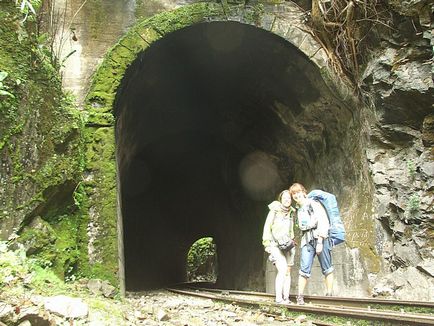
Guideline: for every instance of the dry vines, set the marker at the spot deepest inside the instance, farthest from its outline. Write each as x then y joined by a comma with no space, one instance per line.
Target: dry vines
343,27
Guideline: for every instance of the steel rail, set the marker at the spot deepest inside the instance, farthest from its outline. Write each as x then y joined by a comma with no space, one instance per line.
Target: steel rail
358,313
345,301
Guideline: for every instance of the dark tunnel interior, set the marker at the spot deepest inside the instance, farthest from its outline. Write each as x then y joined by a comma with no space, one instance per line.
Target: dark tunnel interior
202,148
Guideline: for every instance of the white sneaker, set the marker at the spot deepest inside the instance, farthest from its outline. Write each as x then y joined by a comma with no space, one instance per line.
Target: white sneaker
285,301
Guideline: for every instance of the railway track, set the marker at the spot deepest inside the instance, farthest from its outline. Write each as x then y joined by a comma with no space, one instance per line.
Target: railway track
388,312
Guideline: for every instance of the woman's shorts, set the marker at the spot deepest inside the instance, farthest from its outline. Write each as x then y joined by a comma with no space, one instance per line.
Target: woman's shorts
278,256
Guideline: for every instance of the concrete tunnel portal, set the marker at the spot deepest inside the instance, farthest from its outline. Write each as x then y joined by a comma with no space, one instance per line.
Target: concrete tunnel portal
206,136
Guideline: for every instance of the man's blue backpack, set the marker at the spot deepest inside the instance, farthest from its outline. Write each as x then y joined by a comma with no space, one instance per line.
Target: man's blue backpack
337,229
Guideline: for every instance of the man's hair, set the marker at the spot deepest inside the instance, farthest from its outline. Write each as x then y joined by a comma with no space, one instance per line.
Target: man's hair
296,187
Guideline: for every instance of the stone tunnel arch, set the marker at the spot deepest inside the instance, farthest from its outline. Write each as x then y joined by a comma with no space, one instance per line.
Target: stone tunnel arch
216,109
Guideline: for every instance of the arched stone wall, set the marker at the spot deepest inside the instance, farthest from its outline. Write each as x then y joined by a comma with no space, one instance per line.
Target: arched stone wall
286,21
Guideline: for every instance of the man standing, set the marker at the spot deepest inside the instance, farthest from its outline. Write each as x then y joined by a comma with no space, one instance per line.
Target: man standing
314,224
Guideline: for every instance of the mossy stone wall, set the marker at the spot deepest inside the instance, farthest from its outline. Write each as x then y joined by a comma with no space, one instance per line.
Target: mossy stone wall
41,148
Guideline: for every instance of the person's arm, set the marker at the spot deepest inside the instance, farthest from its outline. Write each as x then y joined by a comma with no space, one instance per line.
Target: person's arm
291,227
267,236
322,230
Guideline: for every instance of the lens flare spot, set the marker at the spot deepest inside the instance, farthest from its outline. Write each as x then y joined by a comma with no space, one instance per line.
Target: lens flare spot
259,175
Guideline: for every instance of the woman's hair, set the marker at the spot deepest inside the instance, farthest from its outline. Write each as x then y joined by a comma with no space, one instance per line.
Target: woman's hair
296,187
279,198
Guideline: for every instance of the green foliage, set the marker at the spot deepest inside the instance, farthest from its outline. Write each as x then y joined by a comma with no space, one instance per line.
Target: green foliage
414,203
79,195
17,270
109,310
202,252
317,318
45,281
3,87
411,167
28,8
12,266
53,182
21,276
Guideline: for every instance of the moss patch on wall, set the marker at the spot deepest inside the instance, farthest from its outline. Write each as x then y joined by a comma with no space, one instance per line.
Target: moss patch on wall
99,193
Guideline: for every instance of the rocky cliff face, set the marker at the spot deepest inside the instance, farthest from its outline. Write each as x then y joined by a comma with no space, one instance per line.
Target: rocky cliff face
40,149
398,82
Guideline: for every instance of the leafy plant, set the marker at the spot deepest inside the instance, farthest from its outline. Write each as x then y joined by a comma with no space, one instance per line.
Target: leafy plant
16,269
26,8
58,31
3,87
79,195
13,267
411,168
414,203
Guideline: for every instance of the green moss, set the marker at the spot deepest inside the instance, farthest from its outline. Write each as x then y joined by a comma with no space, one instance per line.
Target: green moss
318,318
404,309
46,282
272,1
54,244
254,14
109,312
15,268
21,277
66,247
11,119
37,238
98,194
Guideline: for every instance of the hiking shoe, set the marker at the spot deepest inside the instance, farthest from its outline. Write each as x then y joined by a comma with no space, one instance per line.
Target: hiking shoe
300,300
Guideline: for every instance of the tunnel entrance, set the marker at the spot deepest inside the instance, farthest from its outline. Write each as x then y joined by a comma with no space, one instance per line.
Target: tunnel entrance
210,127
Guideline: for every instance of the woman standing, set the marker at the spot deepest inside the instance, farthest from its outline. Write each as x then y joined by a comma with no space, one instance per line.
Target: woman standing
278,240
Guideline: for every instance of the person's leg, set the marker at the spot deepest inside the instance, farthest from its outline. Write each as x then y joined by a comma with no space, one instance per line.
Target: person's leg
306,260
302,281
326,263
329,283
281,265
289,256
287,283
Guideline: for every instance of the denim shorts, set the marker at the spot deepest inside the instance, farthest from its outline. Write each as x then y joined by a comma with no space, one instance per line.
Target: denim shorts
307,255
